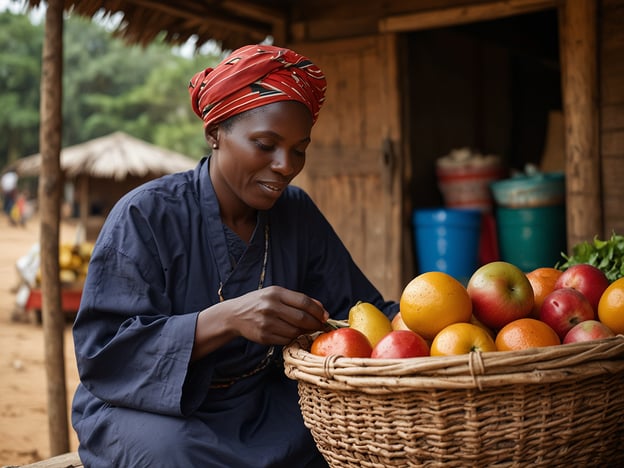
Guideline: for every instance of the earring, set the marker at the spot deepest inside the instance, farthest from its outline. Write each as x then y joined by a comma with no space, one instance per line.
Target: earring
215,146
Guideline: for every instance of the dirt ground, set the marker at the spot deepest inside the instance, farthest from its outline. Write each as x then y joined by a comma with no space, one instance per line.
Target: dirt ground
23,397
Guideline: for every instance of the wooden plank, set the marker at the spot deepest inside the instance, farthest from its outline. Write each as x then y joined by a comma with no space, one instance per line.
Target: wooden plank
346,161
65,460
614,222
578,35
325,28
395,278
453,16
612,84
612,141
346,171
612,116
612,113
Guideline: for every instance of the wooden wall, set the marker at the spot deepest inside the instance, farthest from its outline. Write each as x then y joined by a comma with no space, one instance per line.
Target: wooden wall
346,171
327,20
611,73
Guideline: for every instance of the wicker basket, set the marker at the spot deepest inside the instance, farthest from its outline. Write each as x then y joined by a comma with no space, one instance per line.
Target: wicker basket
555,406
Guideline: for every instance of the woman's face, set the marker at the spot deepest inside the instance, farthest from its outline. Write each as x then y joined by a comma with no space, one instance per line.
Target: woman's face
259,155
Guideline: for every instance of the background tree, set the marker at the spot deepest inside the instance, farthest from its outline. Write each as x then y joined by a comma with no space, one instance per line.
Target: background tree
107,86
20,74
110,86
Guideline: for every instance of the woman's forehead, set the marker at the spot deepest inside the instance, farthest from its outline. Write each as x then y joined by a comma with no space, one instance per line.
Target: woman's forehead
278,115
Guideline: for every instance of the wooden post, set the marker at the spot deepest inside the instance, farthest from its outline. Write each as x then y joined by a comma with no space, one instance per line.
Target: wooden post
50,188
84,203
578,36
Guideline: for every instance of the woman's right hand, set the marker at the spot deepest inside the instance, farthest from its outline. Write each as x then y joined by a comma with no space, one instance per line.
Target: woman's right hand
271,316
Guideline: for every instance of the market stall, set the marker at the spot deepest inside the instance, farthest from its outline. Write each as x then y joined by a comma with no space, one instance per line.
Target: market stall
73,264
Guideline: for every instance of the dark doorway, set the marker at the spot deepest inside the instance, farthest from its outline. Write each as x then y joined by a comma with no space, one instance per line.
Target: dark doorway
488,86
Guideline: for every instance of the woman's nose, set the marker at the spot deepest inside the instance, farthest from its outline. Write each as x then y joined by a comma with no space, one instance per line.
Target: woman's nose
283,163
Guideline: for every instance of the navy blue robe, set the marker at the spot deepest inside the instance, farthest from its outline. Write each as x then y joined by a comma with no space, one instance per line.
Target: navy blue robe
158,261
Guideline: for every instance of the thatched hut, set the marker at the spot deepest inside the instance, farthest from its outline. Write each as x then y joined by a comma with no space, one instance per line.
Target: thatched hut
98,172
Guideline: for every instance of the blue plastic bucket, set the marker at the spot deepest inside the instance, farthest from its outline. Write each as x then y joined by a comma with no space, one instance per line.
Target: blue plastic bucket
531,238
447,240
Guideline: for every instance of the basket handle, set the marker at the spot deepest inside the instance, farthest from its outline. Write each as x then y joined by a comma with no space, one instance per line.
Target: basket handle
328,366
476,367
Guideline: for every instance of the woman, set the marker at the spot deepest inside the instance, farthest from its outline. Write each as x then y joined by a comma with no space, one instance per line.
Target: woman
198,279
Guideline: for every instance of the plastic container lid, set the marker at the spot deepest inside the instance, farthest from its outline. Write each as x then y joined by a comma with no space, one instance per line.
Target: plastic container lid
530,190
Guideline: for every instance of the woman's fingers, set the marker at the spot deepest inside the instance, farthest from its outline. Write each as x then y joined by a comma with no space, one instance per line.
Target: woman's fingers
277,315
299,309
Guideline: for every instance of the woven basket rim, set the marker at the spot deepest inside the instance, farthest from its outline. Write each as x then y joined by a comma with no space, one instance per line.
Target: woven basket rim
474,370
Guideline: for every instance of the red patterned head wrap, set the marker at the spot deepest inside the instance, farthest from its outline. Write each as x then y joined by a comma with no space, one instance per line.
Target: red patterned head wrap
253,76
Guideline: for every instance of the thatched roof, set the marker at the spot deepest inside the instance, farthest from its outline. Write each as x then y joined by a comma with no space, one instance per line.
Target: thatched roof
115,156
232,23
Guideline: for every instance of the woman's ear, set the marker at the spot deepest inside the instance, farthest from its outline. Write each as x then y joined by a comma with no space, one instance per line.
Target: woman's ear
212,136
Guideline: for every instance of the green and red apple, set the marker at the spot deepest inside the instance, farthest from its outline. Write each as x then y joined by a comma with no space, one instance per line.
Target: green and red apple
500,293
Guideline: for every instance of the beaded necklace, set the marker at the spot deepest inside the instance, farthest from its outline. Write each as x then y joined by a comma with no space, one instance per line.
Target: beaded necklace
264,264
221,383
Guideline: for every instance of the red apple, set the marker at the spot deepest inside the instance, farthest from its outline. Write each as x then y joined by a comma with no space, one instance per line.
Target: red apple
565,307
588,279
345,341
500,293
586,331
401,344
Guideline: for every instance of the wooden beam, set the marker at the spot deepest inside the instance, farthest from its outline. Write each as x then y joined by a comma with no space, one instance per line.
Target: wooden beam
463,14
578,45
256,12
276,18
66,460
50,188
195,12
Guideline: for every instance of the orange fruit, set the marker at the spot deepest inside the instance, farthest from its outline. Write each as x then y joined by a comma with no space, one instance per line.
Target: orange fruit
346,341
525,333
611,306
432,301
461,338
542,281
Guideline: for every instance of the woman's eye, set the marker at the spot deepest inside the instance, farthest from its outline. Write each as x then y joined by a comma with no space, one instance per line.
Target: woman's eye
264,146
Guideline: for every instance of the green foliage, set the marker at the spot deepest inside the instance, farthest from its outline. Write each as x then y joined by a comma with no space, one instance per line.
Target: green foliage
608,255
20,70
107,86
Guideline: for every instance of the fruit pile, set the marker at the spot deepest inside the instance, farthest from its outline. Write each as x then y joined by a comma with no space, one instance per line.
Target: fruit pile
500,309
73,263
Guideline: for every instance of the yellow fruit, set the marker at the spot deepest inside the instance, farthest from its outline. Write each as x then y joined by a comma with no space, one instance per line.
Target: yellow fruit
369,320
432,301
65,257
67,276
461,338
86,249
75,262
611,306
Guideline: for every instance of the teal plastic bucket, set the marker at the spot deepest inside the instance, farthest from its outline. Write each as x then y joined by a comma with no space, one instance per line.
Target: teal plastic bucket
447,240
531,238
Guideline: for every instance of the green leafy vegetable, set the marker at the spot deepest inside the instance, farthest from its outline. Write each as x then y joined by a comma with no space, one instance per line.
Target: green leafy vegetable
608,255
